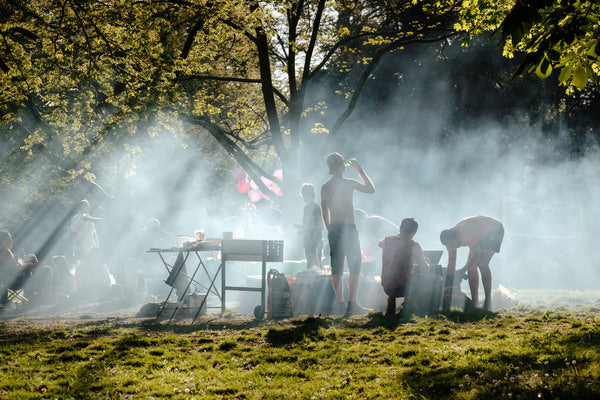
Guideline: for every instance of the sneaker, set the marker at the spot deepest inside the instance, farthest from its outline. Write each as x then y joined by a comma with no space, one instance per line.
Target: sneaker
487,305
355,309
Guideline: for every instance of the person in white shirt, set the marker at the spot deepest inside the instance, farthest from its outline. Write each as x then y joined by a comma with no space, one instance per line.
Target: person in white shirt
85,238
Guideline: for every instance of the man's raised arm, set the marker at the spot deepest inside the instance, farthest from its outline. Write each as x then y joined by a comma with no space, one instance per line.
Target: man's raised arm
367,185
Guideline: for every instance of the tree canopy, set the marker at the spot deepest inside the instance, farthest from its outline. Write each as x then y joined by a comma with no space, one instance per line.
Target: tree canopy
80,78
553,35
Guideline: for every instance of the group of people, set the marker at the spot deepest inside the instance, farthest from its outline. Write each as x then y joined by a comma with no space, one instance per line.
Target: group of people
403,262
404,267
27,279
37,281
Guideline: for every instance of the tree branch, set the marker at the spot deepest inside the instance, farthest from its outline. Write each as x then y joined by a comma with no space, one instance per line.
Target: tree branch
184,78
358,90
187,46
253,169
239,28
313,41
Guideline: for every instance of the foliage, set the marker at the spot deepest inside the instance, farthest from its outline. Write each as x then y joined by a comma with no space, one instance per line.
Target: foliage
553,34
81,78
521,354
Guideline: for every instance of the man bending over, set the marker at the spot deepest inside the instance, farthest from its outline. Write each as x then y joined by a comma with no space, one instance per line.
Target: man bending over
483,235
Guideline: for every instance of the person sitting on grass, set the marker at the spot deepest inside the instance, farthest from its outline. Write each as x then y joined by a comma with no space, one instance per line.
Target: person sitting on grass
63,280
13,273
399,278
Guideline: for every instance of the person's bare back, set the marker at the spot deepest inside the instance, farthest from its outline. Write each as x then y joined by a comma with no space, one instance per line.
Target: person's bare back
336,193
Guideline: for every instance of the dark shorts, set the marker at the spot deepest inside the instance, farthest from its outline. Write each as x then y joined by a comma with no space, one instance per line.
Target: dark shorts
396,292
493,240
344,243
312,249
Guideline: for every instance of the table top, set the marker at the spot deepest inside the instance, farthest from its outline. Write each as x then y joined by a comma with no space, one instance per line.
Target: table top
195,247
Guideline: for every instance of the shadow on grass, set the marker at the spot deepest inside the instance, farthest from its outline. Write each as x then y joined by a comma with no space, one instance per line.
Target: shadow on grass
301,329
380,319
497,378
469,315
279,332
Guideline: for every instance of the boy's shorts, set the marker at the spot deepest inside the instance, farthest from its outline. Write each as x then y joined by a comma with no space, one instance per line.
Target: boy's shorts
493,240
344,243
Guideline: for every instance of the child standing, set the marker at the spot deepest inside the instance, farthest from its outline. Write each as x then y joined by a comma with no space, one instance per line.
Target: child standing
312,226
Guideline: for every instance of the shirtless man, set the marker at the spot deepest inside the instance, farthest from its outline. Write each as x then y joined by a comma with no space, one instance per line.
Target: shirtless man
337,207
483,235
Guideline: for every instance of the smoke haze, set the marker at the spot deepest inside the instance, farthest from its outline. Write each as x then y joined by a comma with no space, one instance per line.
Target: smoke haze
422,166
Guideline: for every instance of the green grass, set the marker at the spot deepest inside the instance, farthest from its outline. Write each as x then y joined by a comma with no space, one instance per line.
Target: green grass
522,353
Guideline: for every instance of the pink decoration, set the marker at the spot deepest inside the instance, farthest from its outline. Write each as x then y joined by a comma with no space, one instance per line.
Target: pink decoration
272,186
239,174
276,189
253,185
278,174
255,195
266,181
243,186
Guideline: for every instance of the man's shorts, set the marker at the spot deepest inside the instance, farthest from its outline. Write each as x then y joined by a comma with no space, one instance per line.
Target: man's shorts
344,243
493,240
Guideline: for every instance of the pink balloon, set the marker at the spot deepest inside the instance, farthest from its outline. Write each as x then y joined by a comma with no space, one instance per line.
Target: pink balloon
278,174
243,186
255,195
268,183
275,189
239,174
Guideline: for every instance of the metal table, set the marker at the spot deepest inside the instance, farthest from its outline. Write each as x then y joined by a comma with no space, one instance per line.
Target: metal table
231,250
175,271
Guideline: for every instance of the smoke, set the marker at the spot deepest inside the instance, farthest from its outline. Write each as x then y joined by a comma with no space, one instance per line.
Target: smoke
426,164
423,162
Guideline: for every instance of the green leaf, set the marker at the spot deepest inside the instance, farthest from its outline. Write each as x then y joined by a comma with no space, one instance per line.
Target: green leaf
592,49
543,69
580,77
566,73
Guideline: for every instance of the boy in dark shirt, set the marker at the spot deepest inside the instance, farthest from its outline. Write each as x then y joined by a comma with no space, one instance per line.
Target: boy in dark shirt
312,226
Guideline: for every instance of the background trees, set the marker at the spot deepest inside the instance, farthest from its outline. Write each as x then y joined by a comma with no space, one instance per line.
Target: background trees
552,34
83,78
159,101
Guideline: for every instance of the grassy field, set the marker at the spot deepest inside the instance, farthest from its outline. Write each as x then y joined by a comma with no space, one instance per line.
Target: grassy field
545,348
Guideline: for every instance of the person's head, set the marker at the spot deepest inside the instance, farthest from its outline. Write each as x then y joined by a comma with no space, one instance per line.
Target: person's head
5,240
83,206
152,225
59,263
449,238
409,226
335,162
308,192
